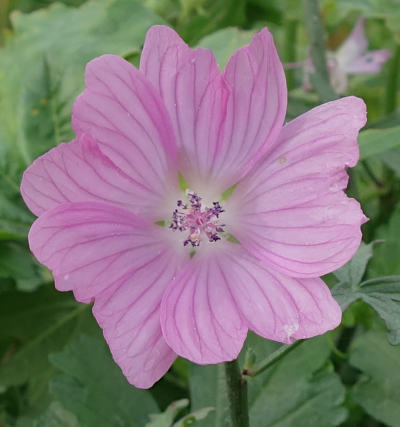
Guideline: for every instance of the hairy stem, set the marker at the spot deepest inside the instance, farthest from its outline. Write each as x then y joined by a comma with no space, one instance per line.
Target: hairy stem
392,82
315,31
289,50
237,394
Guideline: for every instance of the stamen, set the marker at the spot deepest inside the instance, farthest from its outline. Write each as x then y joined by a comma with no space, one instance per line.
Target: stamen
190,217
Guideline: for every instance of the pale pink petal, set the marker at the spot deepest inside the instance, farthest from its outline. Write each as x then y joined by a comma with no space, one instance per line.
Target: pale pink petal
123,112
274,305
78,172
369,63
130,317
90,246
223,122
352,56
354,46
256,107
291,210
124,263
199,317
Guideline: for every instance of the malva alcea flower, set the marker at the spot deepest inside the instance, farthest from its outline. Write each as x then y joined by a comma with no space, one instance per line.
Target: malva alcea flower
350,58
219,266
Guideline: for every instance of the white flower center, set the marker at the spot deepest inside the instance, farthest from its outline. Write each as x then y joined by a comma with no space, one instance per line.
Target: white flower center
199,222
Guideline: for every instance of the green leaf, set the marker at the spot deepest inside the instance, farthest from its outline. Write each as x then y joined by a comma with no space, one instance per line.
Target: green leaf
201,17
166,418
378,390
387,9
386,260
56,416
41,72
300,390
376,141
17,262
208,389
54,44
35,324
15,219
225,42
353,272
382,294
193,417
93,388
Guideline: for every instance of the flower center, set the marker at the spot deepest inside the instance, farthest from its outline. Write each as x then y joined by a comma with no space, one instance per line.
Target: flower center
198,221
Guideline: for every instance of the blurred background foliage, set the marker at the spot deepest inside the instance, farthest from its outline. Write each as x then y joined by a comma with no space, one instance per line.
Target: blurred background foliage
55,369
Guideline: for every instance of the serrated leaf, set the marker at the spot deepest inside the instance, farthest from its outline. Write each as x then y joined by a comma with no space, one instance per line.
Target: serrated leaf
93,388
300,390
382,294
378,390
353,272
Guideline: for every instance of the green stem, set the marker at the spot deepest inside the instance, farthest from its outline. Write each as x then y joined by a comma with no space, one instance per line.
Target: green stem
271,359
289,50
315,31
392,82
237,394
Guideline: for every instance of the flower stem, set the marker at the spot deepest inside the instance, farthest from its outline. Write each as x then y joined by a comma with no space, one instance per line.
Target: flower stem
289,50
315,30
237,394
271,359
392,82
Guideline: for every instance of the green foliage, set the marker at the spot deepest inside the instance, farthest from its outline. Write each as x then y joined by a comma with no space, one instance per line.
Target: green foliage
167,417
387,254
382,293
376,141
32,326
225,42
93,388
378,389
56,416
300,390
17,262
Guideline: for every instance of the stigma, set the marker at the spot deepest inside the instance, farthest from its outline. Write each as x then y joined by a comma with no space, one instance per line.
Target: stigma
200,223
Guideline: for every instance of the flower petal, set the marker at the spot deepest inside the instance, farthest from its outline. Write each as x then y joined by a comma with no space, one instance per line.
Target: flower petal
79,171
124,263
130,317
352,56
353,47
123,112
276,306
199,317
256,107
223,122
369,63
291,210
90,246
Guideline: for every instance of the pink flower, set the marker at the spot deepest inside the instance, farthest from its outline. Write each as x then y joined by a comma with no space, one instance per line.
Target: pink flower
189,288
350,58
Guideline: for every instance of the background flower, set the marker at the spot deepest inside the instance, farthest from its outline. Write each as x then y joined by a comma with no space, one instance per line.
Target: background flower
351,58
